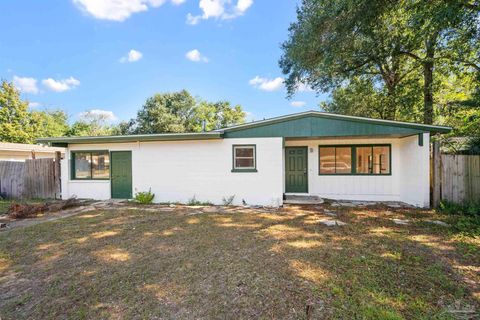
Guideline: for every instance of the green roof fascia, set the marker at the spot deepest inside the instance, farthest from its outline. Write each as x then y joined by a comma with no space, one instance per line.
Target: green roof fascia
415,127
133,138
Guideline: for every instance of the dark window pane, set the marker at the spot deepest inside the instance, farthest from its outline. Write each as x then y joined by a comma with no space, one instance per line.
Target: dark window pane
244,163
244,152
327,160
343,160
100,165
381,160
364,159
82,165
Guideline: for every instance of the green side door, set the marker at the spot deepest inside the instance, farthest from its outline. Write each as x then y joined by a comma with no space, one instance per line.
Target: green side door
121,174
296,173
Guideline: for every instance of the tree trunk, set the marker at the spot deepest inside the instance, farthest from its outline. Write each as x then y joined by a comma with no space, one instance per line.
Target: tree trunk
428,92
391,112
428,66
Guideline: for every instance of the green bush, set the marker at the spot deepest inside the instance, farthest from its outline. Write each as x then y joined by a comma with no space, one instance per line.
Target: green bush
468,209
194,202
465,218
144,197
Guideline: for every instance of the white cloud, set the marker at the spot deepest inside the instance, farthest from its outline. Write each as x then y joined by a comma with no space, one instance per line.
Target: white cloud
118,10
195,56
132,56
243,5
25,84
267,84
98,114
32,104
219,9
60,85
298,104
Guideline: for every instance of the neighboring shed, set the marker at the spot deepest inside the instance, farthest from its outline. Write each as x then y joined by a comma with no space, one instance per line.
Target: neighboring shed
21,151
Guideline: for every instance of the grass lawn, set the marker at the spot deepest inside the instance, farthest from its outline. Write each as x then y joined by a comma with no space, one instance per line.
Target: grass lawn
4,204
239,264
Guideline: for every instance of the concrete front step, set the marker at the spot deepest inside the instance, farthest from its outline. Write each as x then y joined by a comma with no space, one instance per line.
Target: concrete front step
302,199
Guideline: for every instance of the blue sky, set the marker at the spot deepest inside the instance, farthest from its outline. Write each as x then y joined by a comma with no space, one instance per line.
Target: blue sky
80,55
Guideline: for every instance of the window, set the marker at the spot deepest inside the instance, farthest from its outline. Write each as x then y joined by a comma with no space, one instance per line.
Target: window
244,158
361,159
91,165
335,160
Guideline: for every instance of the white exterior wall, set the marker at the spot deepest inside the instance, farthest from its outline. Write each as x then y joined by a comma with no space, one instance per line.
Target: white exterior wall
409,181
177,171
415,169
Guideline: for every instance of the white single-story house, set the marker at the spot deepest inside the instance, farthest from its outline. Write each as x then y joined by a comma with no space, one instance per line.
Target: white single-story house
22,151
309,153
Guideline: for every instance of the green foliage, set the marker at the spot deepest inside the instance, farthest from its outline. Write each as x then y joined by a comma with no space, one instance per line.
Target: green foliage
181,112
469,209
15,120
144,197
194,202
20,125
465,218
228,201
50,123
395,54
91,124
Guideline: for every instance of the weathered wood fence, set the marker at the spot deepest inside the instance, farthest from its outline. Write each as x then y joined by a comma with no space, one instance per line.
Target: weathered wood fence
460,178
35,178
455,178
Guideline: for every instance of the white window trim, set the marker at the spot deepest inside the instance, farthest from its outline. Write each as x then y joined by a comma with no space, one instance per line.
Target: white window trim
253,147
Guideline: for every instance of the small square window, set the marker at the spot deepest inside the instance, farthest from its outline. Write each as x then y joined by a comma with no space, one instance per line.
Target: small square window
244,158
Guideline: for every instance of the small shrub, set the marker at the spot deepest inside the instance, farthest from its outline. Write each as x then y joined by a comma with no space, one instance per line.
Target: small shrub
194,202
465,218
145,197
228,201
468,209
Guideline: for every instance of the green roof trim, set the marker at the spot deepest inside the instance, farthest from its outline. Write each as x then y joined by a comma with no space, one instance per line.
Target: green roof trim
133,138
298,125
321,124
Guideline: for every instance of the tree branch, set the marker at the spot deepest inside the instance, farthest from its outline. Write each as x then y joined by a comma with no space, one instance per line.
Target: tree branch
411,55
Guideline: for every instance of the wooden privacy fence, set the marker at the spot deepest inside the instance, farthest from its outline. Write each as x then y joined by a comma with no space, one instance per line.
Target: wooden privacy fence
35,178
460,178
455,178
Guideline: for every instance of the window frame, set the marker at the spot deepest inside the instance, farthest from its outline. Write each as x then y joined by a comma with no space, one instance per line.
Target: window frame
72,165
354,158
251,169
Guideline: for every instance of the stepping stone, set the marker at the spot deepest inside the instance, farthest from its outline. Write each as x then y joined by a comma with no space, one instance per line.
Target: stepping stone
329,213
438,222
194,213
331,223
400,221
211,210
394,205
344,204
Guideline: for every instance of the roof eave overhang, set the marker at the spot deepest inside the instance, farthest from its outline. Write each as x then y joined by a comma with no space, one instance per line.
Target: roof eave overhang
131,138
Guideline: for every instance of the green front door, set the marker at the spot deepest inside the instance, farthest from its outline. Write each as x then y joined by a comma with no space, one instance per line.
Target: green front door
296,174
121,174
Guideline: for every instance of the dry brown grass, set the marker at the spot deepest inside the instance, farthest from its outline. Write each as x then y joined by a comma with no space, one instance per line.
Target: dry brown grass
238,264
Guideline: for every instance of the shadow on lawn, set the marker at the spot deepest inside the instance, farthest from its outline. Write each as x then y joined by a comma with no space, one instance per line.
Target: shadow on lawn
242,263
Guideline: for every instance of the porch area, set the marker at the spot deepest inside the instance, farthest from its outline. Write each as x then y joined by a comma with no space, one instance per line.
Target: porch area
378,169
